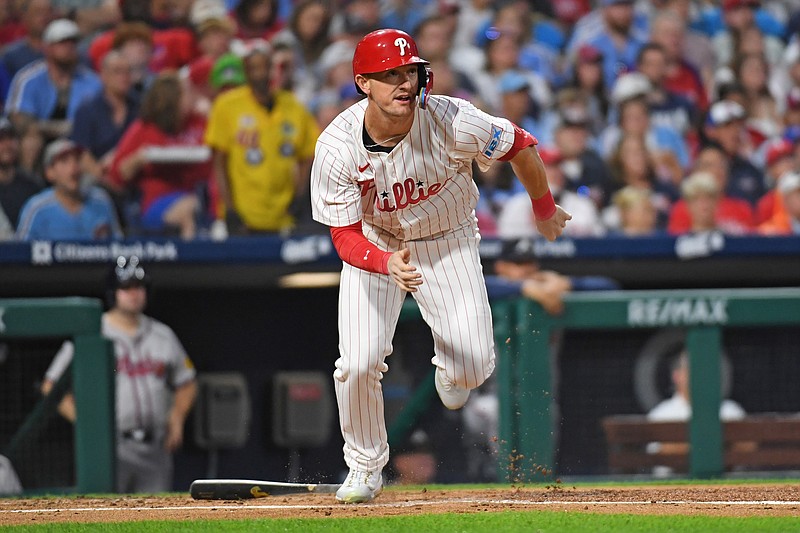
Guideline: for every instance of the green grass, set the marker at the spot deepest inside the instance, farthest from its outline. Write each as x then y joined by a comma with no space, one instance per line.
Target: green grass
527,522
495,522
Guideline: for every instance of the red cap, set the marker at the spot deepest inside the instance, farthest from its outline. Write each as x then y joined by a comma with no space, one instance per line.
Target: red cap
778,151
793,98
734,4
589,54
550,156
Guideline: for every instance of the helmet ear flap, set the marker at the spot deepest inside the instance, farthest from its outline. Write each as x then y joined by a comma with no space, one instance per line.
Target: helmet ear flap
425,84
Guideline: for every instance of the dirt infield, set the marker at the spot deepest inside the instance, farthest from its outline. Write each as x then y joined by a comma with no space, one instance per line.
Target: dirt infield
715,500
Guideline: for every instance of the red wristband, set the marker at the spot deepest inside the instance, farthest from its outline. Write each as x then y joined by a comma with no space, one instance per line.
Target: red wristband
544,207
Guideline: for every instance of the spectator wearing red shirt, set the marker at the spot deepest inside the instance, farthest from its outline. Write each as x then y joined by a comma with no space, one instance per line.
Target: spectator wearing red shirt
163,156
172,47
702,197
731,215
11,28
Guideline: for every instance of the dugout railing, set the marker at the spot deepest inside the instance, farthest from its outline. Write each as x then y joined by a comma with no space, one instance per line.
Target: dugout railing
522,337
92,380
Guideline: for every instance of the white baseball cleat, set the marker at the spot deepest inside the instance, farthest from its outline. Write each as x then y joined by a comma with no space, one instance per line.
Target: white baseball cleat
360,487
452,396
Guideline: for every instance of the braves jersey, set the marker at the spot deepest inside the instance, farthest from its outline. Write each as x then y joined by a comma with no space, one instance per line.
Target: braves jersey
150,365
423,187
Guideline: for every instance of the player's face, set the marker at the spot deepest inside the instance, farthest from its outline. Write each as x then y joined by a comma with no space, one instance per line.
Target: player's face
395,91
131,299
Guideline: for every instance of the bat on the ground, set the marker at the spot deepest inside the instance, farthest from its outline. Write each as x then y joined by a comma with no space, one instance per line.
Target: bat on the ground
242,489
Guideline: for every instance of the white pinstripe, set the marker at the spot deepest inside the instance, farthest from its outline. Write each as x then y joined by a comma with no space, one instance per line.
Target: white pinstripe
420,195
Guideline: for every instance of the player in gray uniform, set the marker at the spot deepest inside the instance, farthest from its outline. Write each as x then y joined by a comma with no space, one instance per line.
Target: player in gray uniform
155,385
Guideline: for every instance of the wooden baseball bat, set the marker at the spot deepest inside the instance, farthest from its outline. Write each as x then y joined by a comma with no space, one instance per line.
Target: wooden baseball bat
242,489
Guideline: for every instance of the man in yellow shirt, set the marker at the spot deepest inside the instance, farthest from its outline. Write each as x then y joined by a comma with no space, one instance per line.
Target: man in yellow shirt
263,142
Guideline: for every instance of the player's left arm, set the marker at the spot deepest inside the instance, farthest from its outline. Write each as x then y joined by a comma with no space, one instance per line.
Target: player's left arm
550,218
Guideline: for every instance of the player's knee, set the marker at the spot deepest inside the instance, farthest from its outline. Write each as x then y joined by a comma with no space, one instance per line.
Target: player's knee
358,370
473,374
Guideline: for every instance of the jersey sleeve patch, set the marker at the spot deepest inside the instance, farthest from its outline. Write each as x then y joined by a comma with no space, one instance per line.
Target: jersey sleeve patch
494,141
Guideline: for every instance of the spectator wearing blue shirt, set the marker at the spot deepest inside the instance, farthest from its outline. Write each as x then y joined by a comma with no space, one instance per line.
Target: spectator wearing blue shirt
64,211
34,15
725,126
46,93
619,43
100,120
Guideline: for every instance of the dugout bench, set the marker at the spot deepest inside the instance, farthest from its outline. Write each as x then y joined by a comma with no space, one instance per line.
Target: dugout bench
755,443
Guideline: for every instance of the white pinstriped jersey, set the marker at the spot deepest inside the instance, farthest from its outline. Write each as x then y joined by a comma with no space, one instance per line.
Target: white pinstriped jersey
424,186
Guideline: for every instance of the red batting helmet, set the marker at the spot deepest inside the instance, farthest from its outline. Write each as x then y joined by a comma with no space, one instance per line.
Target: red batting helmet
387,49
383,50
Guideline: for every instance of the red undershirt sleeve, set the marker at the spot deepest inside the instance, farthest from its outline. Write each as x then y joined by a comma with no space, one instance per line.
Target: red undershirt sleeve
522,139
354,249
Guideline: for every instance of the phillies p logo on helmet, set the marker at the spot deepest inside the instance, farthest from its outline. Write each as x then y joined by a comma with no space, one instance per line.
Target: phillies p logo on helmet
378,52
402,43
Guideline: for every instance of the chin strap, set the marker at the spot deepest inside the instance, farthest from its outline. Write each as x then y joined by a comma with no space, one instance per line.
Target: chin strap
425,85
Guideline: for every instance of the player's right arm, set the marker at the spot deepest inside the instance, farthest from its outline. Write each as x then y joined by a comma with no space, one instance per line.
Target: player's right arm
356,250
336,201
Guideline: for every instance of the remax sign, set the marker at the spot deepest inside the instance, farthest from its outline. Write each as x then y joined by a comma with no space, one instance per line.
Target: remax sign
677,311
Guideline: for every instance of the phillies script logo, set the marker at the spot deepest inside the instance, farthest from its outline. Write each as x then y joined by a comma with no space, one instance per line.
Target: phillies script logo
404,194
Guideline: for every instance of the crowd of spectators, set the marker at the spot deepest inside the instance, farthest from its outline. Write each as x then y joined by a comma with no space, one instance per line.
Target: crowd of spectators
198,118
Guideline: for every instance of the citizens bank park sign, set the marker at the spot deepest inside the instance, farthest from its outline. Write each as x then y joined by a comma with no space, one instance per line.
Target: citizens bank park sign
47,252
656,312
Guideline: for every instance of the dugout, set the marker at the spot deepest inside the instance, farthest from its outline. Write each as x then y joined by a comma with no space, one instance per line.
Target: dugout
202,289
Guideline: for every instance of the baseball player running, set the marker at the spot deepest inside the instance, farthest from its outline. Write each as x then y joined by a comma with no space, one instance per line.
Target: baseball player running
392,177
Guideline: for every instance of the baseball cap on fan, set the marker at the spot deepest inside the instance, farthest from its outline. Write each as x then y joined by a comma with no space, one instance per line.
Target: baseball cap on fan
512,81
228,70
550,155
574,116
58,148
6,128
724,112
605,3
589,54
789,182
793,98
629,86
779,150
61,30
727,5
